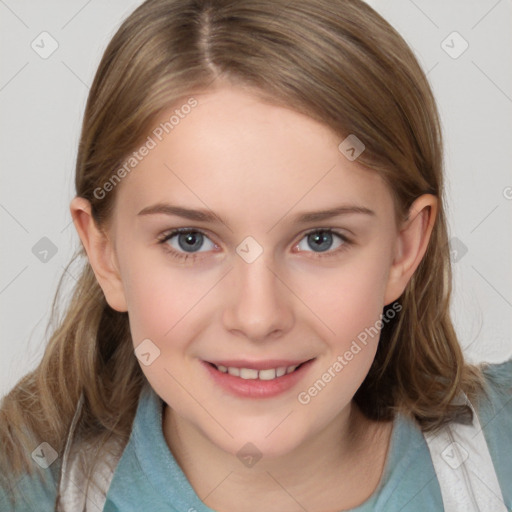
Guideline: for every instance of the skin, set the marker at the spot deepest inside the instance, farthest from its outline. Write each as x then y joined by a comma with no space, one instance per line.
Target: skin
257,165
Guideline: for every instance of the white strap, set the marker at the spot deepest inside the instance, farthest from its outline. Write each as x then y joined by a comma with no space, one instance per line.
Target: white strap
464,468
76,493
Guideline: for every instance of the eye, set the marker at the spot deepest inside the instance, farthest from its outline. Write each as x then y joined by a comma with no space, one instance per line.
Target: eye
323,240
185,241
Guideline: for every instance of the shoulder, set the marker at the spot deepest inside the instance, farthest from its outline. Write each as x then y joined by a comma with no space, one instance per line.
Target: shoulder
410,481
495,406
499,376
495,414
30,492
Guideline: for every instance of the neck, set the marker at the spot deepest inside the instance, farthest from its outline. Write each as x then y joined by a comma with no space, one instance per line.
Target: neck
338,468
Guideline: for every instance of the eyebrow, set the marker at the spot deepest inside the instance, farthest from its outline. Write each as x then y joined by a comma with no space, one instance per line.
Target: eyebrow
202,215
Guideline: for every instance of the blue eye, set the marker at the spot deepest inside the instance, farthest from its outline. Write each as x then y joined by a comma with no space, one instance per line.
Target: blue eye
322,240
187,240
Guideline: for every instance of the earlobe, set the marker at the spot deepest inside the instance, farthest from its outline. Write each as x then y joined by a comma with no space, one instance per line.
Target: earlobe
412,243
100,252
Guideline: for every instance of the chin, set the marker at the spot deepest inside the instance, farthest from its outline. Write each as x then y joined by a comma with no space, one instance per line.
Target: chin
259,444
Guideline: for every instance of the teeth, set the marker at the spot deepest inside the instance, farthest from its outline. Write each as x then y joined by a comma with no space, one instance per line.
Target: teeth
280,371
246,373
267,374
251,374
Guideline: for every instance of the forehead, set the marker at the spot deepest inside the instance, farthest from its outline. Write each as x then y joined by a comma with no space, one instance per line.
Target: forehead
238,153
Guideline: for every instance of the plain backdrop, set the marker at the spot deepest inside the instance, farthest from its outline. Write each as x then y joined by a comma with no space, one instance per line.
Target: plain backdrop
464,46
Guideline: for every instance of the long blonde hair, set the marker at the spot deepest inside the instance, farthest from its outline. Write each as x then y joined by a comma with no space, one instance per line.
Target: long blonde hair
338,62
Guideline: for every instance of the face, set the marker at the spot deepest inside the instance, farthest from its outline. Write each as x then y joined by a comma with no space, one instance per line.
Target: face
268,283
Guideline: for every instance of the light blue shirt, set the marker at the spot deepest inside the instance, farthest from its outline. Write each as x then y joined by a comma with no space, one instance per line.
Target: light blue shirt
148,477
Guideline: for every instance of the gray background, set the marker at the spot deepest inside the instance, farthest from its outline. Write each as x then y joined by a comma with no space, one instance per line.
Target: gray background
42,102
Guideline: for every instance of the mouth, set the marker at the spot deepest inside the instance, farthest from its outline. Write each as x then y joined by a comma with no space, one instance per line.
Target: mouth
257,380
258,374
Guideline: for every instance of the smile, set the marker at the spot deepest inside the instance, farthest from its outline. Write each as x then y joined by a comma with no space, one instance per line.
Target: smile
251,373
265,379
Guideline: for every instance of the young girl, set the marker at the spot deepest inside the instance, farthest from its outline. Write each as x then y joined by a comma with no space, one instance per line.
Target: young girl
262,321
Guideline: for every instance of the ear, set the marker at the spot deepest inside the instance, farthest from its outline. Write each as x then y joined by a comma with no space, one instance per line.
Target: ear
100,252
411,245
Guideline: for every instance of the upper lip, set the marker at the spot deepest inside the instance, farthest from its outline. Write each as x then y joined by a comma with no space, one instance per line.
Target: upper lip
258,365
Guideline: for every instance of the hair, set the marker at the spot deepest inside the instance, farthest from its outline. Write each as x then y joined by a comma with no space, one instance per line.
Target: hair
338,62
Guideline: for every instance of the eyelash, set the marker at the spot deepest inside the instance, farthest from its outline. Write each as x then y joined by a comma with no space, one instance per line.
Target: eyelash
193,256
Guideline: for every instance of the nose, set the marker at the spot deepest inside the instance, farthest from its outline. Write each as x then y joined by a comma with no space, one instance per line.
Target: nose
259,304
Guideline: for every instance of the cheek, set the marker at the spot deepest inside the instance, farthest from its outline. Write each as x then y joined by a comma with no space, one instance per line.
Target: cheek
349,298
352,308
166,304
161,309
362,301
159,300
349,301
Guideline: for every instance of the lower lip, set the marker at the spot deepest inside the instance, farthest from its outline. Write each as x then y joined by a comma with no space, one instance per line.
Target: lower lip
256,388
